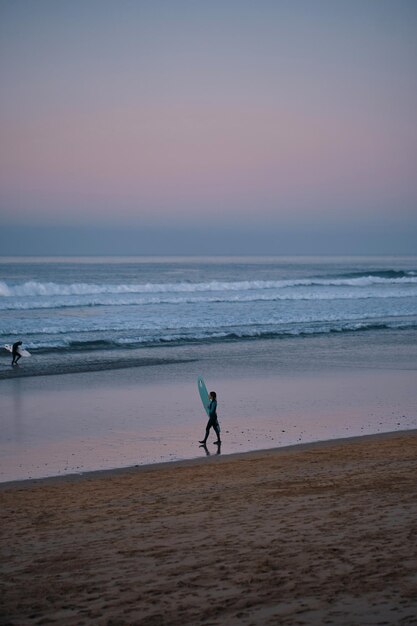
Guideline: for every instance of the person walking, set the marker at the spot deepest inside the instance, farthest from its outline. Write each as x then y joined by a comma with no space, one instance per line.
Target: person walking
15,352
213,421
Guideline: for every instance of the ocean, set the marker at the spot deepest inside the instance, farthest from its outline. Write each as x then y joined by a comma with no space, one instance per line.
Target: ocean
297,349
75,310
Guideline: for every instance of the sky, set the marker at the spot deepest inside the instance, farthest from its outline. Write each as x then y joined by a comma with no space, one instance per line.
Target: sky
208,127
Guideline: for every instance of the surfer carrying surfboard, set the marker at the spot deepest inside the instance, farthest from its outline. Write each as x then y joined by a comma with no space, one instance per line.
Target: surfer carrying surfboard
16,353
213,422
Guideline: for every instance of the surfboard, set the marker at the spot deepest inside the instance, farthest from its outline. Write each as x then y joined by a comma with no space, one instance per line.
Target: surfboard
203,394
20,350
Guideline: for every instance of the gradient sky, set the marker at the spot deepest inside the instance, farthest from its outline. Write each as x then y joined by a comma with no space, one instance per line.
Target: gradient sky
208,126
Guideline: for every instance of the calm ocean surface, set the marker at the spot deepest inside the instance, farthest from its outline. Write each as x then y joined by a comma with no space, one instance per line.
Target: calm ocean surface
78,306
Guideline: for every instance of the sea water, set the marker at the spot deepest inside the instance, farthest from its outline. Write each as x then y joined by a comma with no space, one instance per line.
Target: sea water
64,307
298,350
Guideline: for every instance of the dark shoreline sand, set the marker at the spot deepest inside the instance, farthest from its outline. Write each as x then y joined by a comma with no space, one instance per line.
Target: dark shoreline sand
321,533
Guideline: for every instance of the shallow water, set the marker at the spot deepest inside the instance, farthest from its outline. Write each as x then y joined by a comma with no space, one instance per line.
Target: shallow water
268,397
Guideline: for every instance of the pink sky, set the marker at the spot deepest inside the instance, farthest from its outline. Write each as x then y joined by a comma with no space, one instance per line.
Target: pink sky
266,111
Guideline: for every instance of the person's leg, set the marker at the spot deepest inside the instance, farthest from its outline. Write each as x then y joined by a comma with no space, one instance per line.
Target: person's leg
209,425
217,430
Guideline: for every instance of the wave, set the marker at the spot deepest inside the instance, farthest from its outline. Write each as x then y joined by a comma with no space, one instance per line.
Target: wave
381,274
204,335
34,288
108,302
34,295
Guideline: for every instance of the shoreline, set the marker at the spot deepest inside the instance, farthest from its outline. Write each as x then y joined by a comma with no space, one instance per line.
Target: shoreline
197,461
59,425
384,348
102,365
314,534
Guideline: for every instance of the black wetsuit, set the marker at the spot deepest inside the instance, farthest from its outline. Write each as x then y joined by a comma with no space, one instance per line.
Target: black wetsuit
16,356
213,421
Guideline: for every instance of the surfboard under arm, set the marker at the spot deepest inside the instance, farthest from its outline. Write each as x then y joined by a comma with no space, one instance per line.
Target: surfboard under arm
203,394
20,351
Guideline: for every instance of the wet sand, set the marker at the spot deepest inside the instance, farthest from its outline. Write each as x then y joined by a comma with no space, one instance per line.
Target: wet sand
315,534
55,425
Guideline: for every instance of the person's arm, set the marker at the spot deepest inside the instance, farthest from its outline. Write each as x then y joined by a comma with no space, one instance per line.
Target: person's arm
212,408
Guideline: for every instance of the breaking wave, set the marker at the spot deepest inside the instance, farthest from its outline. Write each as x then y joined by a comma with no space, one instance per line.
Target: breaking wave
33,288
184,336
42,295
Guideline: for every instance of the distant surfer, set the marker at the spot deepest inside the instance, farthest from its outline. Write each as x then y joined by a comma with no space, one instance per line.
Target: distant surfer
15,352
213,422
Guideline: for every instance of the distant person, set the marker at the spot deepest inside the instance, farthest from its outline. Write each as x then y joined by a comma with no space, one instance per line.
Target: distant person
15,354
213,422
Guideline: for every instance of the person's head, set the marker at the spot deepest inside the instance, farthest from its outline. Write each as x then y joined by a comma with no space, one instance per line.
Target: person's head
212,395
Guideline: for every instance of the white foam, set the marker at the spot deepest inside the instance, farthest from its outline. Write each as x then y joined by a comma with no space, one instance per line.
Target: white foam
34,288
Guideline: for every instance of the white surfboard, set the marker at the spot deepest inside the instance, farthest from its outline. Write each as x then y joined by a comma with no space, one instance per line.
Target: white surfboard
20,350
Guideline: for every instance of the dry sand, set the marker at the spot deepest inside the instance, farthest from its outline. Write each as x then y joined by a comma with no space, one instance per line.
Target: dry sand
316,534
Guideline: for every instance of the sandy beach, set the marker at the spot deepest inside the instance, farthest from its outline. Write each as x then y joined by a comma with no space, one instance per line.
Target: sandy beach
321,533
